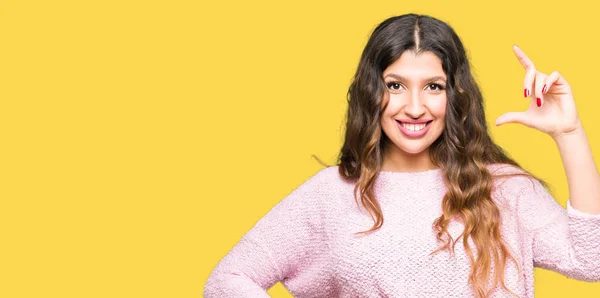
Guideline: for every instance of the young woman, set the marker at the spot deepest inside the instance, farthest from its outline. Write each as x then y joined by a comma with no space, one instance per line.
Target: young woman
462,219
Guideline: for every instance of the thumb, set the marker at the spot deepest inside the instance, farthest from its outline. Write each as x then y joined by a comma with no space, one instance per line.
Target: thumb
513,117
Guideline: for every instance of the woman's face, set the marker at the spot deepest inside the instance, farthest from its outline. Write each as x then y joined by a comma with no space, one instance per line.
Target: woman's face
414,116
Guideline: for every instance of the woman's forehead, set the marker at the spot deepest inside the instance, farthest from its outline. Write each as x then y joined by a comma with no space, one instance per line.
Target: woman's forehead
411,66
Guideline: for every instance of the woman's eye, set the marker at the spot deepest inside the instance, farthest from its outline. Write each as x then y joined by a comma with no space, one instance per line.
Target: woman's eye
437,87
394,86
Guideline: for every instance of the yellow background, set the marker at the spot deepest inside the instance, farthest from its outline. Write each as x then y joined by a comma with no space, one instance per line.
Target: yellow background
141,139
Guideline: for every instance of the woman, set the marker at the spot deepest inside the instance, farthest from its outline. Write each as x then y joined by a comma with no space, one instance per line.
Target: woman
417,154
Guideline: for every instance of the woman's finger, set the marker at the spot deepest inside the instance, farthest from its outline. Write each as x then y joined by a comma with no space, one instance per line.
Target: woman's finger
540,86
554,79
514,117
530,71
525,61
528,82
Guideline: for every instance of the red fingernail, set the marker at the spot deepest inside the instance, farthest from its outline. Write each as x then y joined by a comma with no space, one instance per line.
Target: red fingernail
525,92
544,89
539,102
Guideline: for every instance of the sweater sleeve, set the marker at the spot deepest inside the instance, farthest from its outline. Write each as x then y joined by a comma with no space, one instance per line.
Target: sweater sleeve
564,241
281,245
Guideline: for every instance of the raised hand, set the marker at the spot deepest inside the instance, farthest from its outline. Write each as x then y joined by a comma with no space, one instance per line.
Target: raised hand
551,108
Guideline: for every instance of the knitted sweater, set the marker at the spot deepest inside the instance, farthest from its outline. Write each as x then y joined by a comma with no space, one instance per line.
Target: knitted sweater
307,241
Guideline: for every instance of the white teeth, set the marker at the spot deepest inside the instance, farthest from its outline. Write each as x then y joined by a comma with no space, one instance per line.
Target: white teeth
414,127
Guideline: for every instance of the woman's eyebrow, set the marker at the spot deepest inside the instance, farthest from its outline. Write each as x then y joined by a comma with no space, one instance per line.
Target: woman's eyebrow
401,78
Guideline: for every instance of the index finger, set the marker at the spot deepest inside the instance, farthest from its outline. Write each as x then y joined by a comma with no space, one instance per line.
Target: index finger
525,61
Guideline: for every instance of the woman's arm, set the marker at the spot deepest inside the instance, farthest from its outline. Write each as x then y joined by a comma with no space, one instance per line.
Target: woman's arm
569,244
565,241
246,271
552,110
581,171
288,243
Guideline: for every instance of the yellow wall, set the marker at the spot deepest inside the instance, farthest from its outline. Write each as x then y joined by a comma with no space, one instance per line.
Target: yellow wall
141,139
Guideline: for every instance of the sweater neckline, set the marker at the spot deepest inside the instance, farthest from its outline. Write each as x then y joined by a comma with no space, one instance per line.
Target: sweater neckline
432,172
428,177
388,184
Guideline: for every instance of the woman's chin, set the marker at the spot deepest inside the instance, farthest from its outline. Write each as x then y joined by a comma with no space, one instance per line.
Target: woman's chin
413,150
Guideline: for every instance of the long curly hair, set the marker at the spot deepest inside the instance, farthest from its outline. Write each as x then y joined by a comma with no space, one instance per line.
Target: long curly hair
462,152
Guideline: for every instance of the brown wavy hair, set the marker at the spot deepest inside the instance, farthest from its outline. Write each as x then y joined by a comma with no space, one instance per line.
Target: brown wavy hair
462,152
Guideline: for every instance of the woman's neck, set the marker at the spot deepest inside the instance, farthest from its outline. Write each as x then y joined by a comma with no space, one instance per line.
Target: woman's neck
400,161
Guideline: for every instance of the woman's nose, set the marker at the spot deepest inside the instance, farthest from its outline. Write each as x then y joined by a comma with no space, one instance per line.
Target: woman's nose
415,107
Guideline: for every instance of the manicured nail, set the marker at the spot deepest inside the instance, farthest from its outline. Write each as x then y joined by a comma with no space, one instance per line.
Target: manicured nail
544,89
539,102
526,92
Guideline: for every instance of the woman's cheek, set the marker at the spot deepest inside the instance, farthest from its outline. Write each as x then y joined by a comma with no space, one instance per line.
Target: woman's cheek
438,106
394,103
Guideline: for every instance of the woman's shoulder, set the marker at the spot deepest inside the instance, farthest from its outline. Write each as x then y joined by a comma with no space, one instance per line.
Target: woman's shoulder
511,175
329,174
524,192
503,168
321,182
512,178
527,195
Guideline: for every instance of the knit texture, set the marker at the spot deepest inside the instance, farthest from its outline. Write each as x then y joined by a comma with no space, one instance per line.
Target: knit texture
307,241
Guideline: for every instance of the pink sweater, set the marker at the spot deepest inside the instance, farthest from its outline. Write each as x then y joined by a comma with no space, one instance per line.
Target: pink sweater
307,241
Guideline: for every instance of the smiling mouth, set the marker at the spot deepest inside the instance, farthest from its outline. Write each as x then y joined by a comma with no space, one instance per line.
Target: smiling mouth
414,127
